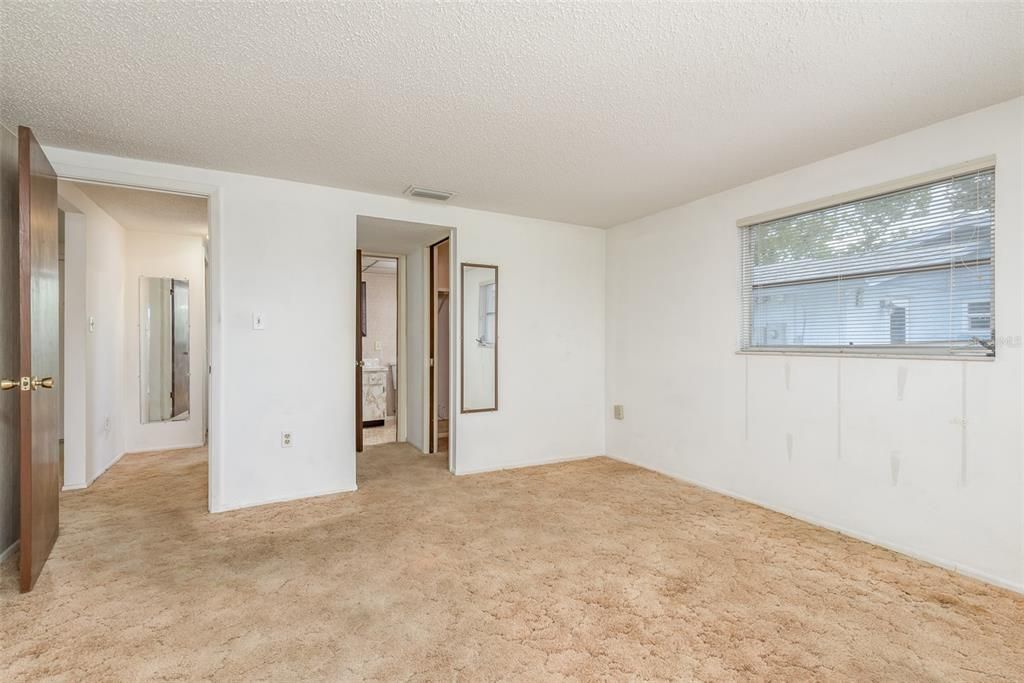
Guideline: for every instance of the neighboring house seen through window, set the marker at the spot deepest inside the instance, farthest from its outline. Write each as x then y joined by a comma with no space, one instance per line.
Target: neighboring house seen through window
979,316
909,271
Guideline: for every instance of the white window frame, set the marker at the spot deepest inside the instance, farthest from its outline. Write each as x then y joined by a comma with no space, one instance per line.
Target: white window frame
880,351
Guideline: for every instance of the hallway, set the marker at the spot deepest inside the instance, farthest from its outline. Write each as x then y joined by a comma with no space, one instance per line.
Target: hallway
586,569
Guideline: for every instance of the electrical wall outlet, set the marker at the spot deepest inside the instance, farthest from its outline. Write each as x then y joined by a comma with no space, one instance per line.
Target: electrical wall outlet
286,440
619,412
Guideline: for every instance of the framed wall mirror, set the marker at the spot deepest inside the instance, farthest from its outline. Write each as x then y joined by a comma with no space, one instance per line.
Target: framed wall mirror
479,338
164,349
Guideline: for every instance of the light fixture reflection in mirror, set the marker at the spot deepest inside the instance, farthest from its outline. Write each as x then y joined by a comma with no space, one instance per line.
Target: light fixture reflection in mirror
163,349
479,338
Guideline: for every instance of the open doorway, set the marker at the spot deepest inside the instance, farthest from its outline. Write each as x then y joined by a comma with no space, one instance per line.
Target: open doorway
378,293
134,332
420,374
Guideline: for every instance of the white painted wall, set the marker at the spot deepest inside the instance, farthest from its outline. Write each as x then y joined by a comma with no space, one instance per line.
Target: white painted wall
551,326
153,254
382,328
287,249
698,411
381,318
104,346
76,425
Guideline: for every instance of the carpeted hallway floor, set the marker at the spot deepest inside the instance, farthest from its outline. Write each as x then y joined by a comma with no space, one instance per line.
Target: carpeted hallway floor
585,570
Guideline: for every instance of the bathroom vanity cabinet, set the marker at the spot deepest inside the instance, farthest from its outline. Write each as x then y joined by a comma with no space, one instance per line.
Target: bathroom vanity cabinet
375,396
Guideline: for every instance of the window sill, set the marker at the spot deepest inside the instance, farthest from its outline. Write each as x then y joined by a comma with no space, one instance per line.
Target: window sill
871,354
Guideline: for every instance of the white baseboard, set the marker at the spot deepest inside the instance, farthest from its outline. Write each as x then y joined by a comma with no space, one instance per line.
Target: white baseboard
519,465
909,552
11,549
104,470
74,487
286,499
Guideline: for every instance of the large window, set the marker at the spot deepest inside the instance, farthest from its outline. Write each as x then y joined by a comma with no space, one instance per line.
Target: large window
908,271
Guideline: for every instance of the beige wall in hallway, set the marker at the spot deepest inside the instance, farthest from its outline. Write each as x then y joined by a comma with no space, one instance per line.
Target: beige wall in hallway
103,256
154,254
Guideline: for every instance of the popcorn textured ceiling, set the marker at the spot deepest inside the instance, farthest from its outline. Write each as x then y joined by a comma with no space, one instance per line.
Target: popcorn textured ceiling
589,113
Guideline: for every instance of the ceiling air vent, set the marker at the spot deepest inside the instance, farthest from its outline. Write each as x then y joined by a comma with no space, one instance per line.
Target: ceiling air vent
425,193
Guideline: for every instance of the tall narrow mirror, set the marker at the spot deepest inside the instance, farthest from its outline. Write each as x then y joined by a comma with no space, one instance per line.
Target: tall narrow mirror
479,338
164,349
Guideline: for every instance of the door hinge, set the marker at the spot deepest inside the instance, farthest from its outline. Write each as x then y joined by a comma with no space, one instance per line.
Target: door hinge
431,362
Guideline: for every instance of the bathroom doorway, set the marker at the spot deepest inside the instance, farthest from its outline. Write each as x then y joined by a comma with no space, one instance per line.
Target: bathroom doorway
421,372
379,324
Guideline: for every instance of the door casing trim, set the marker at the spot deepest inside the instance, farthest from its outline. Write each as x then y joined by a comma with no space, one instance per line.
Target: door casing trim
214,207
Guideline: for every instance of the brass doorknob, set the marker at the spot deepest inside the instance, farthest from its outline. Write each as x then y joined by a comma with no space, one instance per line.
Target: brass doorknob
8,384
42,382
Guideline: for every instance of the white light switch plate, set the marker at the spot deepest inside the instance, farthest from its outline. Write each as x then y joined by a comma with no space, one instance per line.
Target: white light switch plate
258,322
378,345
619,411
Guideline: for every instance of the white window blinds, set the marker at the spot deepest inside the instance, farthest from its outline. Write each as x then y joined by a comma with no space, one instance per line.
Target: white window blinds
909,271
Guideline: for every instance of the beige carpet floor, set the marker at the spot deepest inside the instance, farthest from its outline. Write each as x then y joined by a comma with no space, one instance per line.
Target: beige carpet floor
587,570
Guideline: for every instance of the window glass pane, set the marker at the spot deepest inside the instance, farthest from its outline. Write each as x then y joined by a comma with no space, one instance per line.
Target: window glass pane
911,269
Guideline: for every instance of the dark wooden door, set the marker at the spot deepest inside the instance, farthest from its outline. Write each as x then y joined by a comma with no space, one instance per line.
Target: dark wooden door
360,322
39,344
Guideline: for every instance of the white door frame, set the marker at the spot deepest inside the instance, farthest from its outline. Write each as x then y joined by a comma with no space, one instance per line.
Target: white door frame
212,193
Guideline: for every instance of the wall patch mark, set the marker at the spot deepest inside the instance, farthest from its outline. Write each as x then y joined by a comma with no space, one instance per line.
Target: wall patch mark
839,410
746,398
963,423
901,381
